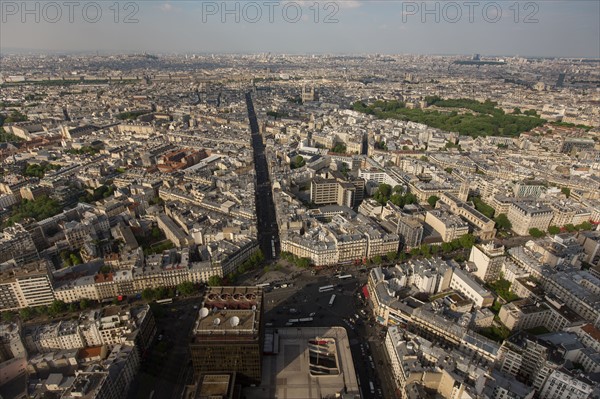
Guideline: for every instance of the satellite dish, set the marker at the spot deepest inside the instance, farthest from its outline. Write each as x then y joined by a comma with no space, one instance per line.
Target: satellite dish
234,321
217,321
204,312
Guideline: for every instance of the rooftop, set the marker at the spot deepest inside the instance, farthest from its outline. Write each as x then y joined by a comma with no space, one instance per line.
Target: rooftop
290,374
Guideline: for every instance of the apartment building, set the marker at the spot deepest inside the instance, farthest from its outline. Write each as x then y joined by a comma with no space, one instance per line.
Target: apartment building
563,383
525,216
55,336
528,359
13,356
488,259
172,231
523,314
449,226
26,286
410,231
346,239
336,190
482,226
467,286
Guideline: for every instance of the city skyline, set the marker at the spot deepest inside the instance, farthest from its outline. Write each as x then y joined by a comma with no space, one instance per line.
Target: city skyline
532,29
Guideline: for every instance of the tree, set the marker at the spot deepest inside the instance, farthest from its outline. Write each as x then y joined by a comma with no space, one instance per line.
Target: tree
339,148
75,259
105,269
566,191
303,263
447,247
148,294
214,281
392,255
297,162
186,288
433,200
161,292
536,233
8,316
483,207
73,307
84,304
585,226
156,233
449,170
467,241
26,313
553,229
377,259
425,250
502,222
57,307
570,227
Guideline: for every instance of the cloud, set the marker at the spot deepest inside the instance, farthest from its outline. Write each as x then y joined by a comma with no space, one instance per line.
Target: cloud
349,3
340,3
166,7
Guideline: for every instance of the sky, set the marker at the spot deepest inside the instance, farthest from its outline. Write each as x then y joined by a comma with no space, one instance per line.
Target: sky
543,28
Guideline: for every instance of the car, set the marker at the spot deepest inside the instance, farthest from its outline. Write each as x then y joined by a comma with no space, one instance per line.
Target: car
312,314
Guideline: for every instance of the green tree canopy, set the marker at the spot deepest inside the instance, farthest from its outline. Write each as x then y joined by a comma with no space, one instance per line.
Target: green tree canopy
502,222
186,288
148,294
57,307
392,255
553,229
536,233
215,281
433,200
483,207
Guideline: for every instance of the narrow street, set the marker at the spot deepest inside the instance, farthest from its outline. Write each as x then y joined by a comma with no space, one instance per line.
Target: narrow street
268,233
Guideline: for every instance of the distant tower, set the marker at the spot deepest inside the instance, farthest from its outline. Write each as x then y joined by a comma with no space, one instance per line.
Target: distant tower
463,192
308,95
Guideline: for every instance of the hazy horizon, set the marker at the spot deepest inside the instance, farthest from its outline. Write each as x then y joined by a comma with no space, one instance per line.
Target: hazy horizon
564,29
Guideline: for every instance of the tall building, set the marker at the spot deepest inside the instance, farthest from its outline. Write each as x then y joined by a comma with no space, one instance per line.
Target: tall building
228,335
488,260
335,189
309,94
410,231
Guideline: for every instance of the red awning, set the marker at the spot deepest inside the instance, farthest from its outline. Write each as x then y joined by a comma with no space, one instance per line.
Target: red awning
365,291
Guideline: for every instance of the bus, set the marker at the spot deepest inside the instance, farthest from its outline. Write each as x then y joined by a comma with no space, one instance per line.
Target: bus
326,288
305,320
293,321
332,300
168,300
345,276
263,285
